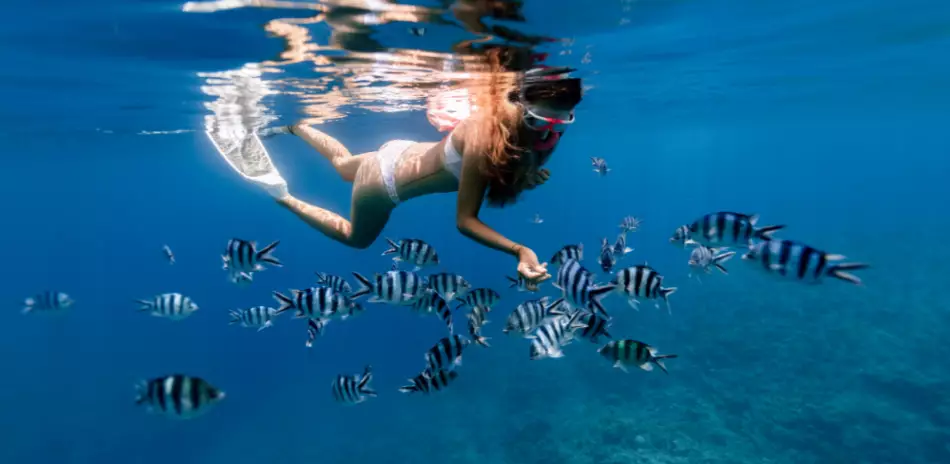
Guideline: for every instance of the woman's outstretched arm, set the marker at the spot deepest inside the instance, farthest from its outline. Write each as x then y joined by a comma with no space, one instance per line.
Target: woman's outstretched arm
472,188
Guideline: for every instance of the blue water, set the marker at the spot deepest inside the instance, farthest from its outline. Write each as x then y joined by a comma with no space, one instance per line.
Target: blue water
829,117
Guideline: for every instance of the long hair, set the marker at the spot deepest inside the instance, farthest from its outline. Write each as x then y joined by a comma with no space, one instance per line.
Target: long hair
494,132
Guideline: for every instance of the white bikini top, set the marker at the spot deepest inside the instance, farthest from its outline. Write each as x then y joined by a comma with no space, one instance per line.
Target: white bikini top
453,159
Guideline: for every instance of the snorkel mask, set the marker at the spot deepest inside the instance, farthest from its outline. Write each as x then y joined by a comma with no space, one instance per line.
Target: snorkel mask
548,85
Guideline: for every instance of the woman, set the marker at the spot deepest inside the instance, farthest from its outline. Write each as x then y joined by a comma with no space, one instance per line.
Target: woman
492,156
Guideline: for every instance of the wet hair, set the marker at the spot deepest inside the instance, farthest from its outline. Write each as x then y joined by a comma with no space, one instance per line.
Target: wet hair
498,122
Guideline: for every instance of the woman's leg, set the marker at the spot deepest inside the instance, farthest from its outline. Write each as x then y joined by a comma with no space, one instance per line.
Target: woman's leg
368,214
345,163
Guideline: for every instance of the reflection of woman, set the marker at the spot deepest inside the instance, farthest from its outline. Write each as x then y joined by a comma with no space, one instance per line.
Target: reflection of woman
493,155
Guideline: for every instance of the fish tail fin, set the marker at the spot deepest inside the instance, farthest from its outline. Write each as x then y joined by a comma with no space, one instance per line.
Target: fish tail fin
658,360
513,282
141,392
366,286
665,293
285,301
264,255
839,271
765,233
393,248
364,387
28,305
721,258
145,305
597,295
235,317
411,388
554,308
483,341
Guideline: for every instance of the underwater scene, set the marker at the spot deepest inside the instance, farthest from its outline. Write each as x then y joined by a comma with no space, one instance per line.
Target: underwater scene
475,231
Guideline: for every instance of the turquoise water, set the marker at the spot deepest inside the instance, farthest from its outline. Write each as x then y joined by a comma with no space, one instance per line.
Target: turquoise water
829,118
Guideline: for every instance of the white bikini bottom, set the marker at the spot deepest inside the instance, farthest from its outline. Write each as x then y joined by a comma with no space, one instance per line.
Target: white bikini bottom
389,155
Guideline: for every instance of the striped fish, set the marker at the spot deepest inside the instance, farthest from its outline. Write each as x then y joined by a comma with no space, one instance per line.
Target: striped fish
607,258
475,330
177,396
704,259
625,353
432,303
600,165
723,229
427,383
484,298
594,327
522,284
579,289
335,282
446,354
315,328
642,281
261,317
353,389
318,303
797,261
567,253
620,245
174,306
630,224
168,254
448,285
394,287
241,259
529,315
477,314
47,301
413,251
549,337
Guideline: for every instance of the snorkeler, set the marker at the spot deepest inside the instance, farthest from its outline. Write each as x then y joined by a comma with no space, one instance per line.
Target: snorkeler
493,155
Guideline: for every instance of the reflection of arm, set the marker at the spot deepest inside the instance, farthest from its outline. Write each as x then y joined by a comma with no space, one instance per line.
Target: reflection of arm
472,188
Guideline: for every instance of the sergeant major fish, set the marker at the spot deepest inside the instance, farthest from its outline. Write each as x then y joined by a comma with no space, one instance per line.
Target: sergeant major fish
642,281
47,301
446,353
174,306
432,303
315,328
243,257
567,253
394,287
522,284
318,303
703,259
335,282
579,289
484,298
625,353
429,382
630,224
723,229
476,319
261,317
607,258
414,251
168,254
353,389
549,337
801,262
528,315
448,285
600,165
594,327
177,396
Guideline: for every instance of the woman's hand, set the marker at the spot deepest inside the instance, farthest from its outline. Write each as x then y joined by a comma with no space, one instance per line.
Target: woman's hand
537,178
529,267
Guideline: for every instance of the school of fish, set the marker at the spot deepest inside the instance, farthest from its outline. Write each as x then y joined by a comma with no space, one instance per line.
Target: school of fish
547,324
